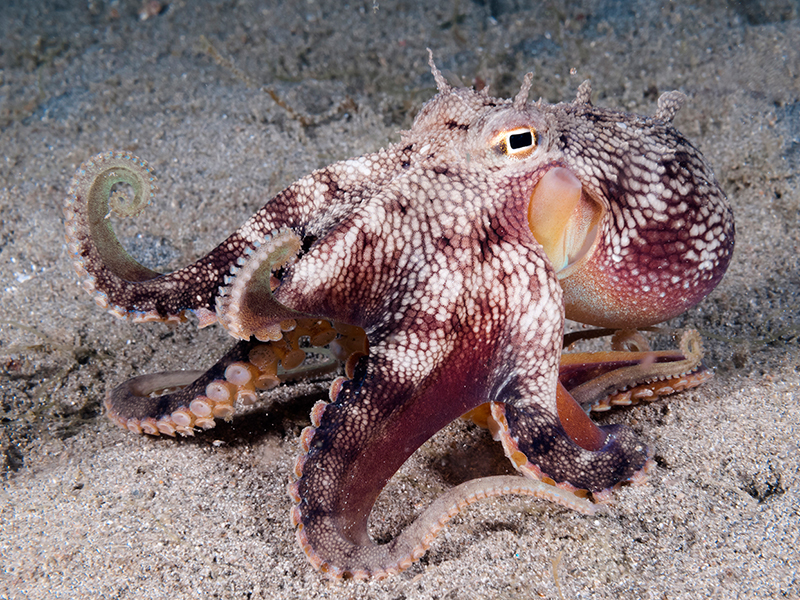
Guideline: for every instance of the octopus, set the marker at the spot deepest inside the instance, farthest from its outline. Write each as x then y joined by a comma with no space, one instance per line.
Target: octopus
437,274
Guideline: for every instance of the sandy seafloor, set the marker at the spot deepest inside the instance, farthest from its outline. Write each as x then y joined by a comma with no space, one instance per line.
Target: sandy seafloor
90,511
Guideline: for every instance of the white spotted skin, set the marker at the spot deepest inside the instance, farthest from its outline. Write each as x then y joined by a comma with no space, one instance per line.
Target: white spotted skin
426,245
440,268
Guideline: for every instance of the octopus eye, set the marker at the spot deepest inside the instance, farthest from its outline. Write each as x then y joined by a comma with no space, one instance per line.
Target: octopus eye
516,143
520,141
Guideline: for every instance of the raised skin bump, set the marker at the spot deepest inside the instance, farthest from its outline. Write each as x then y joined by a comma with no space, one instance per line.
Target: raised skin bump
424,258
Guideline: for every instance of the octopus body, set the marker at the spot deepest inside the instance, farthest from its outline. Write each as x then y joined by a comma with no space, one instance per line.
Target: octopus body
439,271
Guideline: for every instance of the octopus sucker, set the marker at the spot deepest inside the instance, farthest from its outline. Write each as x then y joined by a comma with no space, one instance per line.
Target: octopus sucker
436,274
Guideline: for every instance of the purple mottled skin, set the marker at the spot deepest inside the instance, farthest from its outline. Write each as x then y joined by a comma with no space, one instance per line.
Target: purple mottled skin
457,252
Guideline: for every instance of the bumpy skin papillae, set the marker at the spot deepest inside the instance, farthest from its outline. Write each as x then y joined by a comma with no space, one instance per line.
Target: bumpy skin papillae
429,247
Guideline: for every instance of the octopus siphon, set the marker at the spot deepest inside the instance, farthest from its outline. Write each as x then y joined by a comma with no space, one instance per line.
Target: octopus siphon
437,274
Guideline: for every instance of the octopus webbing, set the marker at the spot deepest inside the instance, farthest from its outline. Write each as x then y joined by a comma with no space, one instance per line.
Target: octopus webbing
439,271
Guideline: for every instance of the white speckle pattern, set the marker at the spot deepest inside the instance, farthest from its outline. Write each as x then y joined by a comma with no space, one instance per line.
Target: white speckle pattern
427,246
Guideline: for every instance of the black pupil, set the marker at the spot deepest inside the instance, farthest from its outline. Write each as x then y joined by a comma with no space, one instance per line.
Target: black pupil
520,140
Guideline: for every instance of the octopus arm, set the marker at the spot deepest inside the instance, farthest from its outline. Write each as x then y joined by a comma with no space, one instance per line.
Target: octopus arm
118,282
183,401
178,401
127,288
632,372
360,439
566,447
562,443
